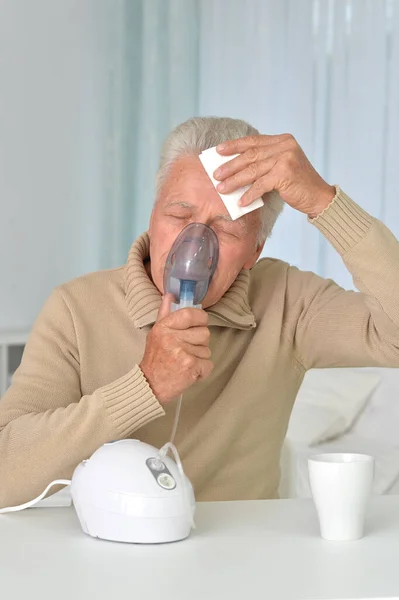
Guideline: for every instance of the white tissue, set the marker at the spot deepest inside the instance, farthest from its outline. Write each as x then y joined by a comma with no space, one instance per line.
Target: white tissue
211,160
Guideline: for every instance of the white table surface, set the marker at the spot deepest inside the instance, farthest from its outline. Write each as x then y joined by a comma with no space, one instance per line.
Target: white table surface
240,550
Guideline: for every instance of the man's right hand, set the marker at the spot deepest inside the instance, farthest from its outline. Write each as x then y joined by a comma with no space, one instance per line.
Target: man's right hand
177,352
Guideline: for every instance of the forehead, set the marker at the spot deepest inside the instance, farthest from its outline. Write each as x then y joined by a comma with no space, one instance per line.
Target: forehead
187,181
188,184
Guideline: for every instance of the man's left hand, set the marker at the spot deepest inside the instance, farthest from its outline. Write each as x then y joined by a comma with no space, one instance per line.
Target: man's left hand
273,162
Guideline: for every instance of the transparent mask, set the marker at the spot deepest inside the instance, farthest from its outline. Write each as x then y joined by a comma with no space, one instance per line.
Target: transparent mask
191,264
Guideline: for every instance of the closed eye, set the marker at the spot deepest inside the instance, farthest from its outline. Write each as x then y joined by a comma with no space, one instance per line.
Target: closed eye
226,232
179,216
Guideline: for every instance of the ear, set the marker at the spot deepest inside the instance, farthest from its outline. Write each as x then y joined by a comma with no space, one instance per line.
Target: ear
254,256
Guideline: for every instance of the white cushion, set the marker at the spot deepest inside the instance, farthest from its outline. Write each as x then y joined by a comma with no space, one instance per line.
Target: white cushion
328,403
380,418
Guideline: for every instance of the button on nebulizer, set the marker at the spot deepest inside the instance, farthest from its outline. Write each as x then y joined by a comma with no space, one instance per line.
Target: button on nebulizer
166,481
190,265
155,464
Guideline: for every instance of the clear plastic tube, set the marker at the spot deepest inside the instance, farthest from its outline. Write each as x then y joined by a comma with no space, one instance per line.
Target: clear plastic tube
170,446
176,421
161,454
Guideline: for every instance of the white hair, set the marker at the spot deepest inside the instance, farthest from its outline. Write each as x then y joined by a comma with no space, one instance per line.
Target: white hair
200,133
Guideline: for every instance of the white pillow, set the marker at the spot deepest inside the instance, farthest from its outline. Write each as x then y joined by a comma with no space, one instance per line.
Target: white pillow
328,403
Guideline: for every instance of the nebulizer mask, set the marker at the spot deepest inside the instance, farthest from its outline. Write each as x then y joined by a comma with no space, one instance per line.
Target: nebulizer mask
129,491
190,265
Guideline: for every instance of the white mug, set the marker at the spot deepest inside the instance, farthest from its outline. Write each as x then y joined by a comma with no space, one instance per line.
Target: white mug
341,485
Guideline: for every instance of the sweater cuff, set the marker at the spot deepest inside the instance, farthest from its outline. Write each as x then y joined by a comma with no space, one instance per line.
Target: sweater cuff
130,402
343,222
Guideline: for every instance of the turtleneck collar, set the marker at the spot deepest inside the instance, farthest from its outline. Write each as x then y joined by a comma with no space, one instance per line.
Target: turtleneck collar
143,298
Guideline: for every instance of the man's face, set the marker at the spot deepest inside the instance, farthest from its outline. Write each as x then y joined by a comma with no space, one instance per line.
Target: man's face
188,196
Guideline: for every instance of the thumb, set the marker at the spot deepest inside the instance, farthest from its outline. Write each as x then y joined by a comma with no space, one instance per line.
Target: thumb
164,309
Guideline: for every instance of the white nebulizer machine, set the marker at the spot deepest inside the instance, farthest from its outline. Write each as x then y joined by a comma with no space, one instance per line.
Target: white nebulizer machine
129,491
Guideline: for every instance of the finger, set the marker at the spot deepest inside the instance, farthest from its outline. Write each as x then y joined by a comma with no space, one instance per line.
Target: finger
252,155
242,144
261,186
248,175
184,318
203,369
195,335
164,309
202,352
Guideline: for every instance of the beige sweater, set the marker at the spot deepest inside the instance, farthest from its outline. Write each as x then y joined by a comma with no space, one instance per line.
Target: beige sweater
79,384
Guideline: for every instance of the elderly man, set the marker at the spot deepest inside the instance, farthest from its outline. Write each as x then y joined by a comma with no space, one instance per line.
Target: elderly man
106,359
